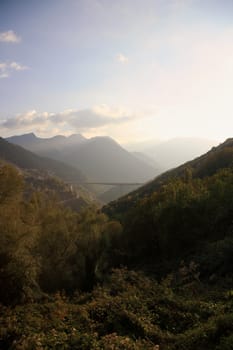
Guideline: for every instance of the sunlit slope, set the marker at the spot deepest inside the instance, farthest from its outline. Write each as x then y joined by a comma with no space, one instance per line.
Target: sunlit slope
206,165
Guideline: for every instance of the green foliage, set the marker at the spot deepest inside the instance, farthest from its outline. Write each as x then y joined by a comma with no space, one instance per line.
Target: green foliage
175,290
10,183
45,247
178,221
130,311
221,158
17,266
55,246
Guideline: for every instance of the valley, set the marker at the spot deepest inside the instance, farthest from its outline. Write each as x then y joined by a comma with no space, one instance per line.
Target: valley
152,268
116,175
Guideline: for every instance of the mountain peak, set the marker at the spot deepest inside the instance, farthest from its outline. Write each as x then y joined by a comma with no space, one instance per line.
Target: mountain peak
104,139
28,136
228,142
23,139
76,137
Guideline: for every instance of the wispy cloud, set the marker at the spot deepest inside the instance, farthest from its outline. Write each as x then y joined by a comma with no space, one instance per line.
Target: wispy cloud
74,120
6,68
9,37
122,58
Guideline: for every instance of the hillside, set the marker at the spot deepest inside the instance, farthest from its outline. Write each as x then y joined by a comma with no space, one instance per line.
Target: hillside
100,158
116,192
105,160
183,215
70,195
205,165
160,279
39,173
149,160
27,160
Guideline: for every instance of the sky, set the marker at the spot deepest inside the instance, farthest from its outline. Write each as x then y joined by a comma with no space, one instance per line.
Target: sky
134,70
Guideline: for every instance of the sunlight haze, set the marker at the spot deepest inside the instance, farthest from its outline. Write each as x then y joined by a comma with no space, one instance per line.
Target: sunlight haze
133,70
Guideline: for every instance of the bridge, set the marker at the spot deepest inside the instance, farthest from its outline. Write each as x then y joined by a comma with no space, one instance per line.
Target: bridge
108,183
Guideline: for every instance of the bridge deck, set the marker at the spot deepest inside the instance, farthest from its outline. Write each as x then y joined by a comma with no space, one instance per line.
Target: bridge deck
109,183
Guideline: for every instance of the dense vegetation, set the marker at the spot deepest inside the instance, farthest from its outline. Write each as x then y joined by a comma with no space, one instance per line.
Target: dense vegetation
163,276
206,165
46,247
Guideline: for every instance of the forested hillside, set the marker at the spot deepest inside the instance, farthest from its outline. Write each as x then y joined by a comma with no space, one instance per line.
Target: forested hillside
161,276
205,165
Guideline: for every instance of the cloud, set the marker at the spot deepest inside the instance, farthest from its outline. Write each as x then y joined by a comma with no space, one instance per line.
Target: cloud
16,66
122,58
73,120
30,118
87,119
9,37
6,68
100,120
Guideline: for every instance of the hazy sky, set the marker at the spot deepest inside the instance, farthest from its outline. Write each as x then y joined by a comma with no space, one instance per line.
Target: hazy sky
130,69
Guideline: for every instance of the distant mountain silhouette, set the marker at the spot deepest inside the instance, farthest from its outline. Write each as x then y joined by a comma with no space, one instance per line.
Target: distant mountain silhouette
147,159
47,146
174,152
25,159
100,158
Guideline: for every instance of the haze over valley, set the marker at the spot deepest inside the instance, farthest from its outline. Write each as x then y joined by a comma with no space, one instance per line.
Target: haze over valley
102,160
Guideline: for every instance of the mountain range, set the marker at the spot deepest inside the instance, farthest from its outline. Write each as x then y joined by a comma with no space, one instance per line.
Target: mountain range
26,159
41,173
101,159
174,152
